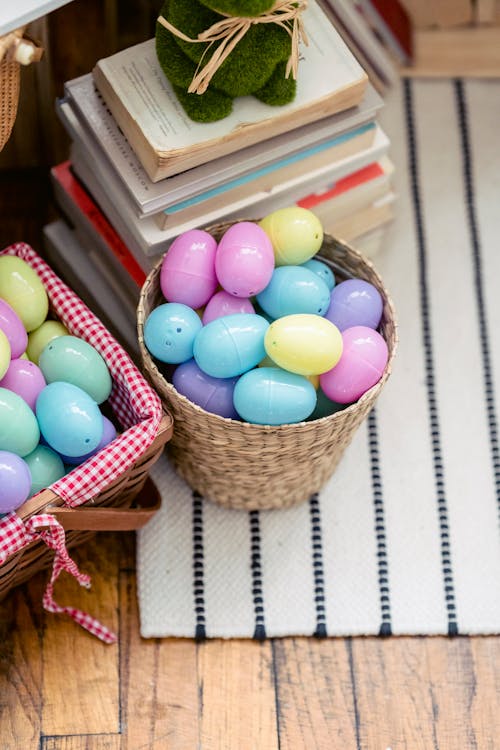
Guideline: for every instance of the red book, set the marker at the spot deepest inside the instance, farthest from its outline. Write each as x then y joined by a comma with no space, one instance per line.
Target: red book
74,188
342,186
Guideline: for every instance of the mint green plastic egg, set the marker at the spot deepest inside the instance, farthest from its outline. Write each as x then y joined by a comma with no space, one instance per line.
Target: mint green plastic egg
75,361
46,467
19,431
23,290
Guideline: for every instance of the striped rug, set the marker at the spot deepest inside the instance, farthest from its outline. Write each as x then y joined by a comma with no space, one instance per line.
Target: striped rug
405,538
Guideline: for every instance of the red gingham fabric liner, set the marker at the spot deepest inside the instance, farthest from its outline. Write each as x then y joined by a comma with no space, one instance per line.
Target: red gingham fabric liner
139,411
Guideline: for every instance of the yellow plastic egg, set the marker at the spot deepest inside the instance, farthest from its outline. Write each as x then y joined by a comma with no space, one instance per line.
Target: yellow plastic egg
4,354
296,234
304,344
38,339
22,288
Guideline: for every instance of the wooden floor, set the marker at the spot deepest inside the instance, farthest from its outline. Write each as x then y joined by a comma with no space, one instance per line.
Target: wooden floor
62,689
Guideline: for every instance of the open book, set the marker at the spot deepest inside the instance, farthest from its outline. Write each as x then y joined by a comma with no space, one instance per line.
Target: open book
166,141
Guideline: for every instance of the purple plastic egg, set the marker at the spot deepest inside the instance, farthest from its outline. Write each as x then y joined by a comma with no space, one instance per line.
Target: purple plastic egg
212,394
223,303
188,269
11,325
361,365
24,378
355,302
15,481
244,261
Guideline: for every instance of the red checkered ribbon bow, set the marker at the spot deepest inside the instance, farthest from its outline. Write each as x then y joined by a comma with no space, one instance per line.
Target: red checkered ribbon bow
15,535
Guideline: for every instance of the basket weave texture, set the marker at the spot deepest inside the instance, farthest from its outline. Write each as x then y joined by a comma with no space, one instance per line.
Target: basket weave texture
9,97
118,473
242,465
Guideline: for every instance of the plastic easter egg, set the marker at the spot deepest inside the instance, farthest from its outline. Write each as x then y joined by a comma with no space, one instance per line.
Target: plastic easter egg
244,261
169,332
5,353
39,338
46,467
304,344
24,378
70,421
322,270
23,290
293,290
223,303
361,365
231,345
188,269
296,234
269,395
108,435
15,481
11,324
355,302
212,394
19,431
74,360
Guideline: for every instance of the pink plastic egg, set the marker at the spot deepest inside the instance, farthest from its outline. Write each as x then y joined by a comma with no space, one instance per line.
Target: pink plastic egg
244,261
24,378
361,365
223,303
188,269
11,325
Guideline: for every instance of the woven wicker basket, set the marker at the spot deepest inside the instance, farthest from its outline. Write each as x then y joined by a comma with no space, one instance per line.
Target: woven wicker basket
242,465
9,97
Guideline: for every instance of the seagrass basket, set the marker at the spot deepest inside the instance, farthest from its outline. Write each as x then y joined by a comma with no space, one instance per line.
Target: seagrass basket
242,465
88,499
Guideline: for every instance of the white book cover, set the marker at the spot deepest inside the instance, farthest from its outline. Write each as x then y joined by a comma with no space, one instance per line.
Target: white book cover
94,121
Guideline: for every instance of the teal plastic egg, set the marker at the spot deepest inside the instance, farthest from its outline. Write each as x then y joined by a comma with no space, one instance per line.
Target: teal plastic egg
270,395
45,466
322,270
5,353
293,290
23,290
19,432
231,345
304,344
69,419
75,361
296,234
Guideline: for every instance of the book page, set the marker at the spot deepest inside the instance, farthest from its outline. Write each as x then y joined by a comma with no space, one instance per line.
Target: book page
326,66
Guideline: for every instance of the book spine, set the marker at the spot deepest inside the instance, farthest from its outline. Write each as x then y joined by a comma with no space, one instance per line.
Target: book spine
65,177
342,186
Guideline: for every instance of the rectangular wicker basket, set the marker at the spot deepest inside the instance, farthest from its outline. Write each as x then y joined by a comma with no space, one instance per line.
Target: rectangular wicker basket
98,494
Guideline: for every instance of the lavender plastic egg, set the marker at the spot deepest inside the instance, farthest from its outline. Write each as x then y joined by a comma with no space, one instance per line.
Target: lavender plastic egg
212,394
355,302
46,467
223,303
70,421
229,346
244,261
188,269
24,378
19,431
15,481
170,331
11,324
108,435
293,290
361,365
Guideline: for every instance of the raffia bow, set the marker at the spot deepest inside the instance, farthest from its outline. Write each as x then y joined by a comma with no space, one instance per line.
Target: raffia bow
231,29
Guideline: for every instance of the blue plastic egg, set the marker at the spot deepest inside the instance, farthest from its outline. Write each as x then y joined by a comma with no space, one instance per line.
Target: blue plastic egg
108,435
270,395
293,290
231,345
70,421
169,332
19,432
73,360
322,270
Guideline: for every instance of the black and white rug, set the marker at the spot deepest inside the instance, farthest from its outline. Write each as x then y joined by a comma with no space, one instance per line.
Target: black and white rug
405,539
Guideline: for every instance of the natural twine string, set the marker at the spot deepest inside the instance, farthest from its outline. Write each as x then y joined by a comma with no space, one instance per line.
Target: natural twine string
231,29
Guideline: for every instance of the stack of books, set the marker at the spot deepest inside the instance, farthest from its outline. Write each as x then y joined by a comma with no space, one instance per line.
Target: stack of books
140,172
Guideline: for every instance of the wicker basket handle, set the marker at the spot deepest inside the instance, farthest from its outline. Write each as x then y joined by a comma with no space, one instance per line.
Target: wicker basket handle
88,518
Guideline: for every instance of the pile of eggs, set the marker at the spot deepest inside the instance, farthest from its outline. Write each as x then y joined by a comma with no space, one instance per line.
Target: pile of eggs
258,329
51,387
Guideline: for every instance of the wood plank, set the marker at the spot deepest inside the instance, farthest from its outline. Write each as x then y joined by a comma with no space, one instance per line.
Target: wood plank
237,695
80,673
21,621
469,52
159,689
316,706
485,691
82,742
